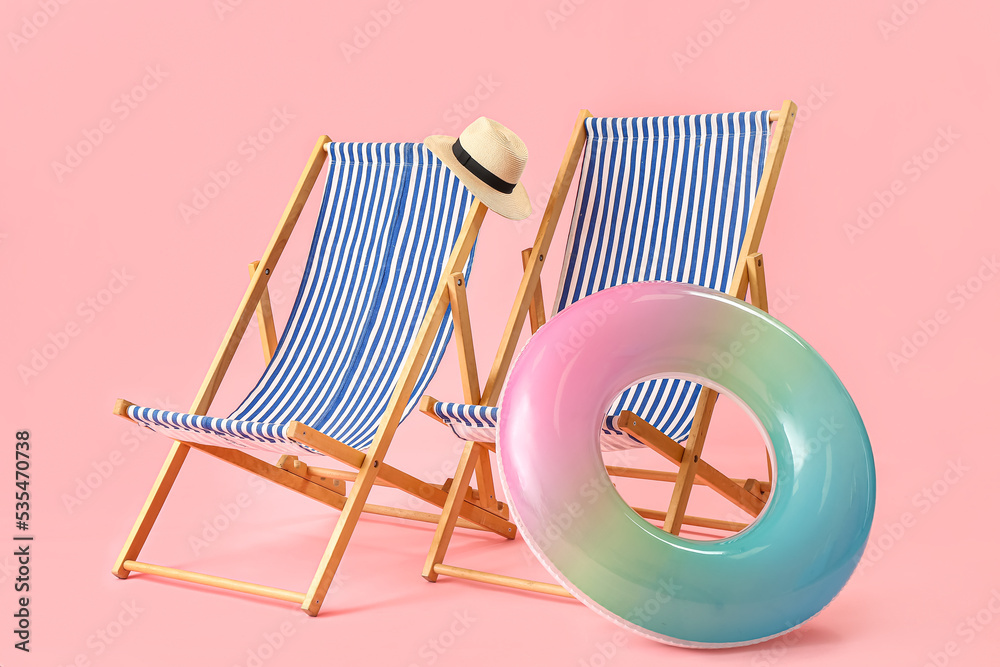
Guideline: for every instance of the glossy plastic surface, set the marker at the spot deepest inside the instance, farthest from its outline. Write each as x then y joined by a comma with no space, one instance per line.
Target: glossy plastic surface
757,584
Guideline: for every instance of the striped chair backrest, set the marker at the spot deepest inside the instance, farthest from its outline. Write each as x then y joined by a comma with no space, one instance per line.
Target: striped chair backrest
389,218
666,198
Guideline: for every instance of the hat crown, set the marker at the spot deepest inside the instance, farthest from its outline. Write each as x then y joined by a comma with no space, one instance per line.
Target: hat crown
496,148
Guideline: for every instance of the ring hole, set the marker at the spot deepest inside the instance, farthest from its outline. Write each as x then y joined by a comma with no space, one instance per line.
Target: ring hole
734,445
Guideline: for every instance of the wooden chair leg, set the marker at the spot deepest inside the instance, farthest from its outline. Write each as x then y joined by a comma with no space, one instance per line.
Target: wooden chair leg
341,537
463,337
449,513
536,310
755,278
265,320
485,483
692,453
470,380
356,503
151,509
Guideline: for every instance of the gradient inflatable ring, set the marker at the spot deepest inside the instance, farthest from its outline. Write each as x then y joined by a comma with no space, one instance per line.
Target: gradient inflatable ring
754,585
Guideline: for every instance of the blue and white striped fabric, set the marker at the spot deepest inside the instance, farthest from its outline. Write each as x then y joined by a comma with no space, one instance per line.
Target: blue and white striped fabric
390,216
479,423
665,198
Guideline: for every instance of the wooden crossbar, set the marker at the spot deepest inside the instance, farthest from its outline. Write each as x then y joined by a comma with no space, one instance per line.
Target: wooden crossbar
502,580
698,521
265,320
212,580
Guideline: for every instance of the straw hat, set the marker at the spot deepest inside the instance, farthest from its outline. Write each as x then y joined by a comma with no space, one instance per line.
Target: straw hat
489,159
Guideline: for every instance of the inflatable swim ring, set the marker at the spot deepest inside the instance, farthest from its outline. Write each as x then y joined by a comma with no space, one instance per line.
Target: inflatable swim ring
757,584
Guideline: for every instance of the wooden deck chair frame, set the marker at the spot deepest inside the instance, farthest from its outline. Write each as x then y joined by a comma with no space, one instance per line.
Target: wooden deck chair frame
322,484
748,494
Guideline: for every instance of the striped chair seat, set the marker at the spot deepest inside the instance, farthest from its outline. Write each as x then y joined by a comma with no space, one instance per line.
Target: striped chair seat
389,218
665,198
479,423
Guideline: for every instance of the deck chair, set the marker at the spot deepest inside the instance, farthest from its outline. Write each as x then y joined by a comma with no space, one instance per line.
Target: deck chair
680,198
395,238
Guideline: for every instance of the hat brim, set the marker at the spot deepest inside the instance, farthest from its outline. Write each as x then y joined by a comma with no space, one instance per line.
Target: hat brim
514,206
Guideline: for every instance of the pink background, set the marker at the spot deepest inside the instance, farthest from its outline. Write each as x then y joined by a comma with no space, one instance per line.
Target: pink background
103,274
